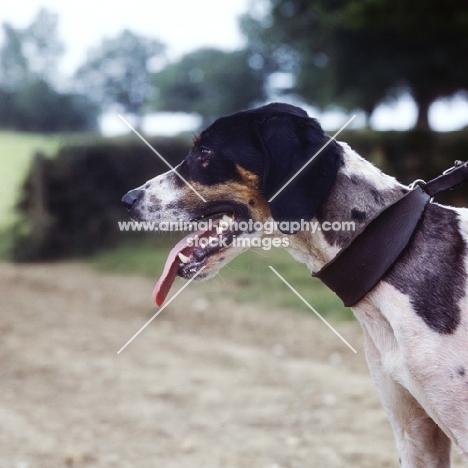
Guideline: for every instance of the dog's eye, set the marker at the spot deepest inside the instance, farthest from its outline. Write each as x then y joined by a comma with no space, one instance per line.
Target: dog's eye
205,151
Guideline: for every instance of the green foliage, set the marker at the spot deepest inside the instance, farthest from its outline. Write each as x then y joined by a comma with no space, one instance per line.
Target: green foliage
210,82
30,54
42,45
36,107
28,65
17,150
13,63
357,54
71,204
117,71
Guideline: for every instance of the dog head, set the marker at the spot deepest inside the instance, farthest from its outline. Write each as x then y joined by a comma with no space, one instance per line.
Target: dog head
234,172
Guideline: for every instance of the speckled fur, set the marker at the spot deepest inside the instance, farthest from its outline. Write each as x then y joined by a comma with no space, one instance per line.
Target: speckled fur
415,321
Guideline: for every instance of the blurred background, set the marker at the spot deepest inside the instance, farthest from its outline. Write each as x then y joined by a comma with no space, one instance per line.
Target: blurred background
396,66
67,69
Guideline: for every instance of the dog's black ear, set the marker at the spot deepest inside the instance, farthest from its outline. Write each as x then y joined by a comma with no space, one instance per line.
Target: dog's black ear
289,141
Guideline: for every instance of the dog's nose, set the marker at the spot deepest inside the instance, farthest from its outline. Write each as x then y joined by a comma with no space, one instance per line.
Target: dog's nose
131,197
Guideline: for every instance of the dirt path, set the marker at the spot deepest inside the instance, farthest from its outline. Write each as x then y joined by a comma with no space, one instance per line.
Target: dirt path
208,384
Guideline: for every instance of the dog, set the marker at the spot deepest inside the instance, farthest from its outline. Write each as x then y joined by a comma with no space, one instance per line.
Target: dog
415,319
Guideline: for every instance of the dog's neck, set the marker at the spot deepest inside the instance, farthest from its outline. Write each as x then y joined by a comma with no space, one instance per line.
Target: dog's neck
358,194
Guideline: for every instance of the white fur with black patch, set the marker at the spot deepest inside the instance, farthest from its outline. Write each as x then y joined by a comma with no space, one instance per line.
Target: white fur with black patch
161,199
421,374
419,363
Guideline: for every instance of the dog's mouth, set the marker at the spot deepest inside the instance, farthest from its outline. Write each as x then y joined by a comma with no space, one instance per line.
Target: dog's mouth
201,248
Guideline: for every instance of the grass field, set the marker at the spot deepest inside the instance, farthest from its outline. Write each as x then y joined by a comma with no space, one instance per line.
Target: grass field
247,278
16,152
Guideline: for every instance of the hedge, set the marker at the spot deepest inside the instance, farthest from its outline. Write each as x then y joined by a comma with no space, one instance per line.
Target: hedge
70,203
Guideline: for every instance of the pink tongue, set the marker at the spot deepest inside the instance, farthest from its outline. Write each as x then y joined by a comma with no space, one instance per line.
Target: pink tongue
169,273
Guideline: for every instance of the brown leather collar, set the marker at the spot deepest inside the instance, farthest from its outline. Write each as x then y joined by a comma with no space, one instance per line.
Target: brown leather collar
361,264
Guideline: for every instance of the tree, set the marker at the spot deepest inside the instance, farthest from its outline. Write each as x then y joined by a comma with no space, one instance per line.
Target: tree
42,46
209,82
28,67
32,53
359,53
117,72
37,107
14,68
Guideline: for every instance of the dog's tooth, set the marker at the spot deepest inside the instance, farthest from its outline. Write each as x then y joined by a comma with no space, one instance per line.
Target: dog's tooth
183,258
226,218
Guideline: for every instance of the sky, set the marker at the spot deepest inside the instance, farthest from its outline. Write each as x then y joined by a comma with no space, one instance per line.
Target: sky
185,25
